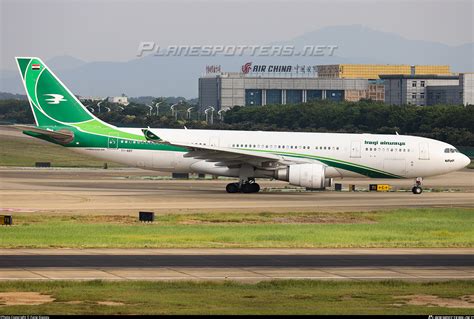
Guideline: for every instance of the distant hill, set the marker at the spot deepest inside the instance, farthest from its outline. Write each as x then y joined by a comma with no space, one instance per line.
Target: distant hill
360,44
178,76
138,99
10,96
65,62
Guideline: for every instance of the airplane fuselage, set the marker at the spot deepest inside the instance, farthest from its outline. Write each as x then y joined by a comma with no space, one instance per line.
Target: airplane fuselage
346,155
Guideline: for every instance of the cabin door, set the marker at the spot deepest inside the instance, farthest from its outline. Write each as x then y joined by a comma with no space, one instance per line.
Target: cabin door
424,151
355,149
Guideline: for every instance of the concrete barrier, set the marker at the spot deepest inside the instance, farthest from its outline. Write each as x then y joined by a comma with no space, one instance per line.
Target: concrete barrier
146,216
180,175
6,220
43,164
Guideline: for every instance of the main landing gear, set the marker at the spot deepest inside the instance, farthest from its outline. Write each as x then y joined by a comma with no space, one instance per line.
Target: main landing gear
248,186
417,187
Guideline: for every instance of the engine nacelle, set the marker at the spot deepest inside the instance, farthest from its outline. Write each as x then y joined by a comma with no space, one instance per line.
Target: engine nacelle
305,175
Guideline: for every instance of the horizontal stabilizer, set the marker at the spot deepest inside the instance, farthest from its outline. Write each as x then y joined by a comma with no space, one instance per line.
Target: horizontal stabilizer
64,136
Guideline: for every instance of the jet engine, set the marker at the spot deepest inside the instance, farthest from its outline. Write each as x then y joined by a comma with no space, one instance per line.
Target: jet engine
305,175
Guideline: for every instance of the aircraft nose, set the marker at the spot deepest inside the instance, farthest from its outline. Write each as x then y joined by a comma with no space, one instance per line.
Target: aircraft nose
465,160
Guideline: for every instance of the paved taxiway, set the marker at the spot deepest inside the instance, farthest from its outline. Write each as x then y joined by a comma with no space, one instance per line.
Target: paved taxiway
248,265
125,191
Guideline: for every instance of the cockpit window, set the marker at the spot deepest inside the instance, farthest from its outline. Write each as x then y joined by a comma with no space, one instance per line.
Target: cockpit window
451,150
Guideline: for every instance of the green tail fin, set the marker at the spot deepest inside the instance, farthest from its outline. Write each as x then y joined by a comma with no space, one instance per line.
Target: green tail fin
51,101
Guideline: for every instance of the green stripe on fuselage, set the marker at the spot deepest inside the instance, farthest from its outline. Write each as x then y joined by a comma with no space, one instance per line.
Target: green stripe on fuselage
98,135
356,168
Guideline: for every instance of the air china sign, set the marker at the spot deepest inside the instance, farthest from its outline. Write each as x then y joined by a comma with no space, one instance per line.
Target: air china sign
262,68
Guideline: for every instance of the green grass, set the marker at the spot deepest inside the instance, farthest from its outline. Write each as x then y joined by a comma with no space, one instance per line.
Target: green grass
275,297
25,151
443,227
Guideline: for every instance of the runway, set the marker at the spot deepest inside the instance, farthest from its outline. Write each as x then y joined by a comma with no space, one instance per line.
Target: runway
247,265
125,191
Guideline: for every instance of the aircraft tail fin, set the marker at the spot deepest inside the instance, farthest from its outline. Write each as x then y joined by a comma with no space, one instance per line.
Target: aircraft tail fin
51,101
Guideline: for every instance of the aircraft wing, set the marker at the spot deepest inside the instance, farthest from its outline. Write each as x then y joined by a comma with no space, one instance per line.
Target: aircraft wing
226,156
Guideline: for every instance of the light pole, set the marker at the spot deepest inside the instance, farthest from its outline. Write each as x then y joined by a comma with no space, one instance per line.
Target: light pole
173,111
98,104
108,109
158,107
189,112
90,109
221,115
150,107
206,111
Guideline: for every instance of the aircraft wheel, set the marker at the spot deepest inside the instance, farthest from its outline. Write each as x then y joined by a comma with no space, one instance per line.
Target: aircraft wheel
250,188
417,190
232,188
247,188
256,188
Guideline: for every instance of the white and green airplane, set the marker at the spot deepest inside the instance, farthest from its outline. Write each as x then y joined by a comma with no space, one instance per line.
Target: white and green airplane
309,160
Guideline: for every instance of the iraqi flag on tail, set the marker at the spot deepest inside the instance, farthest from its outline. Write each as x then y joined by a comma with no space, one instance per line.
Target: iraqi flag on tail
35,66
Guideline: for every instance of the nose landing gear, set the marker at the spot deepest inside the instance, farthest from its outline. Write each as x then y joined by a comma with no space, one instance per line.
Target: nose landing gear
248,186
417,187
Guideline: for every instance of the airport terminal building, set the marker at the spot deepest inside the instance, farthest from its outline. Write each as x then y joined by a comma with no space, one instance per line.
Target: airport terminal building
257,85
374,71
424,90
223,91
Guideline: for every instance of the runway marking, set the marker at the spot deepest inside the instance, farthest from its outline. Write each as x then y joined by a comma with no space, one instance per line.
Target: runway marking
183,273
35,273
112,274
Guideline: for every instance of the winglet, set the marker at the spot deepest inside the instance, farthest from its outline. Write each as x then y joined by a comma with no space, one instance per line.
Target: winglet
150,136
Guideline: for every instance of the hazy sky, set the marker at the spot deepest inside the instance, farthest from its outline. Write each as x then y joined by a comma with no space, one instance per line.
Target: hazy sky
96,30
